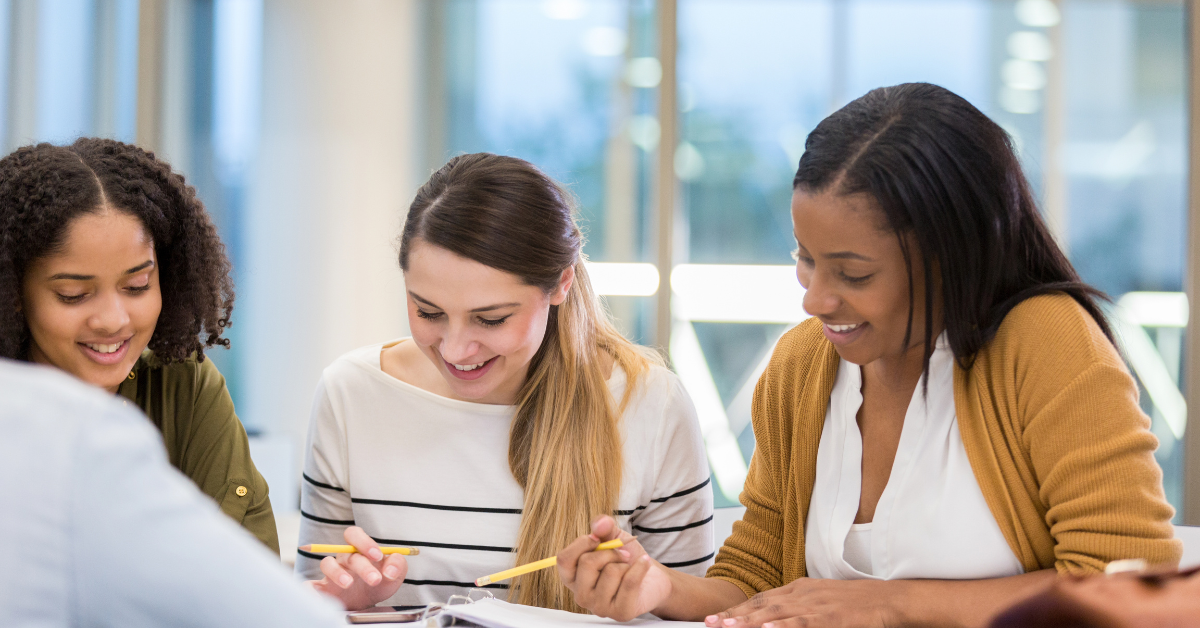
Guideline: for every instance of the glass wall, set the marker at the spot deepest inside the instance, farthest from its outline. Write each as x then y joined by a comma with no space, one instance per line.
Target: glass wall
1092,92
570,86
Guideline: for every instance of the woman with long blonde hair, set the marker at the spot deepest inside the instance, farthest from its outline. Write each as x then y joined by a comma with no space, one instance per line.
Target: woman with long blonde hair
513,414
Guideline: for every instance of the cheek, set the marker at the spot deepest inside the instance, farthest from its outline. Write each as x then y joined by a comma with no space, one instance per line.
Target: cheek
146,309
518,336
423,331
52,322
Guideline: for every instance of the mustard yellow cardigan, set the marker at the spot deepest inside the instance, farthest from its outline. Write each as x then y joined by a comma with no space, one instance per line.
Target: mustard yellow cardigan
1050,420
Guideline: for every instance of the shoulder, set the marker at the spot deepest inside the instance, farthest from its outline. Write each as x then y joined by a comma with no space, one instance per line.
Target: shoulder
800,347
190,371
32,390
1051,329
353,366
68,413
802,358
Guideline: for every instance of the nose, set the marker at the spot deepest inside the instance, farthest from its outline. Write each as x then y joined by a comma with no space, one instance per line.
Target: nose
819,299
110,315
458,344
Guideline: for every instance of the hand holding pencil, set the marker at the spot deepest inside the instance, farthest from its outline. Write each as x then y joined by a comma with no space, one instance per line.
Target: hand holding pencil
362,574
622,583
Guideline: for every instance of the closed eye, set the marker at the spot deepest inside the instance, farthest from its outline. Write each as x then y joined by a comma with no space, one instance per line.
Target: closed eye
429,316
493,322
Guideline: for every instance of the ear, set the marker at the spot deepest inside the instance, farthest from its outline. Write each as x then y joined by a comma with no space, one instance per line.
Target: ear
563,287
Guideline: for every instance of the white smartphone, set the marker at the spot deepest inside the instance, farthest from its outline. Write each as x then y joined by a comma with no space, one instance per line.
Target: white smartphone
390,614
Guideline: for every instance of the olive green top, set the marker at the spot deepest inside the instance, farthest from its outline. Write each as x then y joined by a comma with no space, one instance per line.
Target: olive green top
189,404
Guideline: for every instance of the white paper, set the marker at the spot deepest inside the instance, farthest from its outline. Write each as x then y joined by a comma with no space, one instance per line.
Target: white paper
499,614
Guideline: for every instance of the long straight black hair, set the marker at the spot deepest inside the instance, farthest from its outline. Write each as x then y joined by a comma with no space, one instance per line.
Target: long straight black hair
945,173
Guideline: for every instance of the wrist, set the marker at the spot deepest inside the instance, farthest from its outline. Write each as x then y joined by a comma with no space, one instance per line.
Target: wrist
910,604
663,609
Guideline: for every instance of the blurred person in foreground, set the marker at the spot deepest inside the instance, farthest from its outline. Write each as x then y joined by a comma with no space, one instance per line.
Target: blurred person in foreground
952,429
101,531
112,271
1158,599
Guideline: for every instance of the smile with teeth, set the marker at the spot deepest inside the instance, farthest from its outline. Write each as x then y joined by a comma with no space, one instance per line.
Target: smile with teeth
469,367
841,329
104,348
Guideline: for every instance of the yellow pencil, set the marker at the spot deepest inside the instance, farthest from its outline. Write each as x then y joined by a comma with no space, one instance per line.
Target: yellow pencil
534,566
317,548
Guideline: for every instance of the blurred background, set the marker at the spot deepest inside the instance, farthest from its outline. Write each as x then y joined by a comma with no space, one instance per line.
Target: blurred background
306,126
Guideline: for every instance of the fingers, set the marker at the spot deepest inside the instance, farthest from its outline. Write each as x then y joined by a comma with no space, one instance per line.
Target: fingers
803,621
395,567
605,528
737,615
364,568
568,558
335,573
608,583
626,598
588,570
363,542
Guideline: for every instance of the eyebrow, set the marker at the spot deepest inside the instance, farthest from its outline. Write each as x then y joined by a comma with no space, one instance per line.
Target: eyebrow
73,277
847,255
838,255
489,308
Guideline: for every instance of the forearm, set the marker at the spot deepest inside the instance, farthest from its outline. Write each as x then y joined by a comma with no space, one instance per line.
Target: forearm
965,602
693,598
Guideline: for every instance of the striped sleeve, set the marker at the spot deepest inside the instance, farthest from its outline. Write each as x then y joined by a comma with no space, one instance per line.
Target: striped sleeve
325,508
676,526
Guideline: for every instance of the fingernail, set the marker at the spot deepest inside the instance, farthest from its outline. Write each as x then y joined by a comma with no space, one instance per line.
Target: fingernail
376,553
729,622
623,554
373,578
594,537
345,580
768,625
644,557
391,572
711,619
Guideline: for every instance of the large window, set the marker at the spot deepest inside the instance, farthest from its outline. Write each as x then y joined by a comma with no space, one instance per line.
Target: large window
1091,91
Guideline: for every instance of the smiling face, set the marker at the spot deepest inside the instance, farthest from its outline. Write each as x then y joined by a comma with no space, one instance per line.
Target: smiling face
855,277
480,327
92,305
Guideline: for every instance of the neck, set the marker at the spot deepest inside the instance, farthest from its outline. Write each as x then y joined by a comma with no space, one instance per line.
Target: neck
901,371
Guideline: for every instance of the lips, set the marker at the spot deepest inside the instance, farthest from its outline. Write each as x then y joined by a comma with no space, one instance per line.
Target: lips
103,353
470,371
844,333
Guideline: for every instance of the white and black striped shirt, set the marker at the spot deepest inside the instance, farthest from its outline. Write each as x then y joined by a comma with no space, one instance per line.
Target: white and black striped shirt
414,468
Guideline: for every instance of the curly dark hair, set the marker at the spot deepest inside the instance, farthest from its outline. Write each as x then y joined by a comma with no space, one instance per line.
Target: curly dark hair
44,187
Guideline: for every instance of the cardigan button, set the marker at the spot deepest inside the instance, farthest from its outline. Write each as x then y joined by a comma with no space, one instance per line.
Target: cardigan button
241,491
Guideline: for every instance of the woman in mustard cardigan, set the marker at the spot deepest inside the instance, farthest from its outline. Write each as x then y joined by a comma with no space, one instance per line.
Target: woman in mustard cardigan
952,428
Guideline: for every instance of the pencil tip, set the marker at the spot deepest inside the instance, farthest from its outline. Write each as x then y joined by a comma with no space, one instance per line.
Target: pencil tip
307,548
482,582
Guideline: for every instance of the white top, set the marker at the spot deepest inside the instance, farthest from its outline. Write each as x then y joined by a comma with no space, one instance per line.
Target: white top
102,531
931,520
414,468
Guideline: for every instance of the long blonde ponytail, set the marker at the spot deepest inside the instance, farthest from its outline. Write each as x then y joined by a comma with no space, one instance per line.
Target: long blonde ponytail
565,449
565,446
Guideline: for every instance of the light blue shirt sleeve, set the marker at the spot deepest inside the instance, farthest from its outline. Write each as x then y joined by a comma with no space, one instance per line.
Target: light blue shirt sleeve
104,532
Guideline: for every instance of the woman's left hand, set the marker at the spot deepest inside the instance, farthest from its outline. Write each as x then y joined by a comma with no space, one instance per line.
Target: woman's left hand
812,603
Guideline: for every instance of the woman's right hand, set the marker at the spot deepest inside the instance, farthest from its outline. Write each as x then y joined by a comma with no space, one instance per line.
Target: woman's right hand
364,579
622,583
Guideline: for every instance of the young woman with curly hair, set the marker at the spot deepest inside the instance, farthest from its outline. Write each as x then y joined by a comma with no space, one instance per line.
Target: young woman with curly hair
111,270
